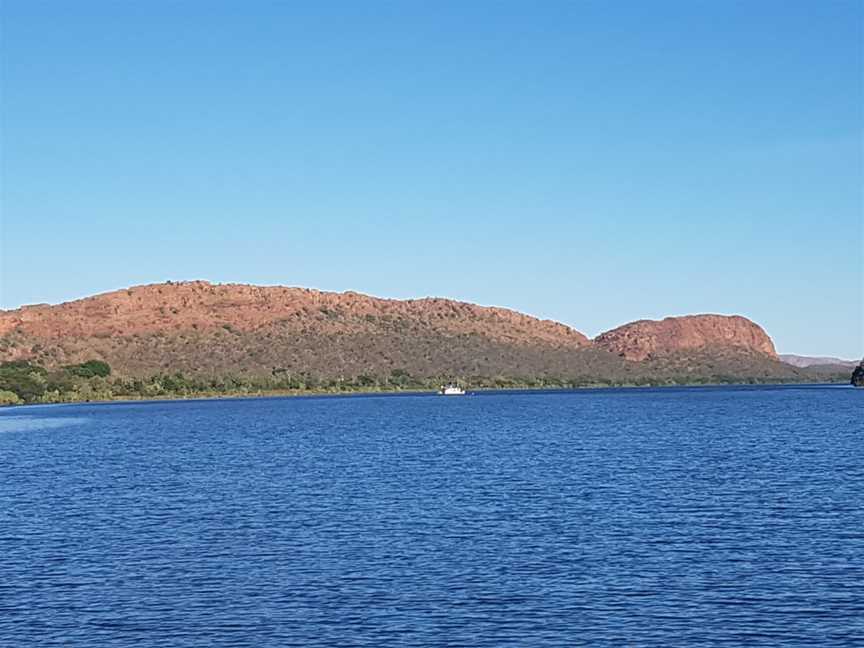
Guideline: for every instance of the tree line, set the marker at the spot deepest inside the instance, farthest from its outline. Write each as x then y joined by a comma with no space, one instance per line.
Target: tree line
24,382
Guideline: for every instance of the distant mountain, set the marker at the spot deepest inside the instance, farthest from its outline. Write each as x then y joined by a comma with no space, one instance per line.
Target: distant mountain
812,361
201,329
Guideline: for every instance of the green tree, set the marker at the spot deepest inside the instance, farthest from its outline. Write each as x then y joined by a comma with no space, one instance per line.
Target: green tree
24,379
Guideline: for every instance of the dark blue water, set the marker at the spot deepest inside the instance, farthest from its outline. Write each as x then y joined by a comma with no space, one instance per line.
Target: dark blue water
687,517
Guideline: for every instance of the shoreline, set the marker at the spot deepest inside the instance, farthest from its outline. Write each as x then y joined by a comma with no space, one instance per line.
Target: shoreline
323,393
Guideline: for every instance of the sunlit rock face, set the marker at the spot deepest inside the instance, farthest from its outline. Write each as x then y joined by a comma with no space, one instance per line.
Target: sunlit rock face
647,339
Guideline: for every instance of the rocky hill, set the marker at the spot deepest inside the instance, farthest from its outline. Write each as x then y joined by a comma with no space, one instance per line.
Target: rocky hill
647,339
199,305
217,329
206,330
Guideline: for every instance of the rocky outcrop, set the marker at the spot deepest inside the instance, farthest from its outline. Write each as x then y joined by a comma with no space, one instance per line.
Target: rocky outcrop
646,339
858,375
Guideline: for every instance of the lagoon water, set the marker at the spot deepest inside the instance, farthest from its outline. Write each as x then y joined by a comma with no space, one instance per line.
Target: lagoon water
641,517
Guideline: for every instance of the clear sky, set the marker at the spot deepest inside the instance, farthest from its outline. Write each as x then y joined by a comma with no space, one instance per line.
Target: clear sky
589,162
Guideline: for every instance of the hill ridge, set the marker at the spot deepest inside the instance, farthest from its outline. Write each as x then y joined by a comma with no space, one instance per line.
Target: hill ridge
217,330
120,311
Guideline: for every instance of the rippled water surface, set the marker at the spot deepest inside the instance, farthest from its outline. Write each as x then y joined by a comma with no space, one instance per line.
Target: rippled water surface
688,517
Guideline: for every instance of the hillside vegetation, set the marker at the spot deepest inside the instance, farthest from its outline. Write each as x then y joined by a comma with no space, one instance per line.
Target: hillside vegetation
197,338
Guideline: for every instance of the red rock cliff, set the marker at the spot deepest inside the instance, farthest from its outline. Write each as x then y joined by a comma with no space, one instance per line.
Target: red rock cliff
649,338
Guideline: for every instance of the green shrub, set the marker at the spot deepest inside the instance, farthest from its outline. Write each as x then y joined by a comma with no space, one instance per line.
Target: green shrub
9,398
90,369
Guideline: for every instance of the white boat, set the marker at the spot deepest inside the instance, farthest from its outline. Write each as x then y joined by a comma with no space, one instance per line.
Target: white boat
451,389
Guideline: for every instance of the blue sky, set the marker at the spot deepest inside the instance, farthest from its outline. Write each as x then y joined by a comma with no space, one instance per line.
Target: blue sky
589,162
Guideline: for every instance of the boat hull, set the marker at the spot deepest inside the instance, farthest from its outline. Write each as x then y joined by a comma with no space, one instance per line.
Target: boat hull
452,391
